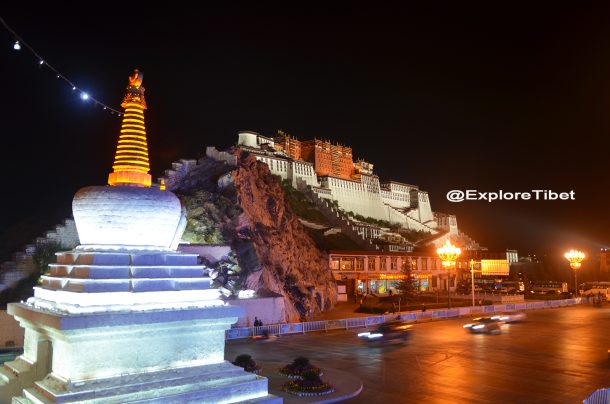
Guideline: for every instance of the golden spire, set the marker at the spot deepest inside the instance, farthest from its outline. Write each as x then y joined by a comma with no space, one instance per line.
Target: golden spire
131,159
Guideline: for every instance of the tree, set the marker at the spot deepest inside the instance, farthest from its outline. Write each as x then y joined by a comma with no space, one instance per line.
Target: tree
45,255
406,286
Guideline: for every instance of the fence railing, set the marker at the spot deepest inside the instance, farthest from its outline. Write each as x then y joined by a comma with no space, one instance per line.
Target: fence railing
412,316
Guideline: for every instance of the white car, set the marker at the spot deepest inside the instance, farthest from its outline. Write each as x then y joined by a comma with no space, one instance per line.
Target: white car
486,324
510,316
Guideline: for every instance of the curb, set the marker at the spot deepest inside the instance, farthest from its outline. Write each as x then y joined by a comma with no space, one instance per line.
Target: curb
346,385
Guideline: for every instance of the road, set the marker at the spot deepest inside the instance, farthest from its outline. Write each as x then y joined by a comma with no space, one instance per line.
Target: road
556,356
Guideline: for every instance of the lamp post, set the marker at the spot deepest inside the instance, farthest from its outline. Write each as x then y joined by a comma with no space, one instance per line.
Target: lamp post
472,271
575,258
448,254
472,279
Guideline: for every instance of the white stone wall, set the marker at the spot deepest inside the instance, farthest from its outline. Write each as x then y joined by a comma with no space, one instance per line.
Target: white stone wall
291,170
304,171
213,153
247,139
354,196
10,331
277,166
22,265
212,253
64,234
446,222
425,209
396,195
270,310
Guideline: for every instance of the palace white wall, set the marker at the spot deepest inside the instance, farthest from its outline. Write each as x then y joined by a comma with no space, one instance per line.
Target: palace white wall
355,197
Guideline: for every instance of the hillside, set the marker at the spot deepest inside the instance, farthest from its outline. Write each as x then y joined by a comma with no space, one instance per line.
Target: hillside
275,253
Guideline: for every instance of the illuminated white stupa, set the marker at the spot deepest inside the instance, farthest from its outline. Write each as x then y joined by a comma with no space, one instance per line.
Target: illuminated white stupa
124,317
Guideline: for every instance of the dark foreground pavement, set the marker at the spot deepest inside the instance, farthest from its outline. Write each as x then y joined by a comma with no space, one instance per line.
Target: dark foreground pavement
556,356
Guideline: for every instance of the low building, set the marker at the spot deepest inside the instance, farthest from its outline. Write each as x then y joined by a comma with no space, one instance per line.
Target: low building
378,272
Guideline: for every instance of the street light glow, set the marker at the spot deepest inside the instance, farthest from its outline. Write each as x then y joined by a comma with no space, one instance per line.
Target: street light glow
448,254
575,257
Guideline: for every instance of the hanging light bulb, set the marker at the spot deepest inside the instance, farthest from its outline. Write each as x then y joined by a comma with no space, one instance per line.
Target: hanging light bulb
17,45
84,96
41,62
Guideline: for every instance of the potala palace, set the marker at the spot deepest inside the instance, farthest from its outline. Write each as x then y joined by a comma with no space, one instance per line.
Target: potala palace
328,173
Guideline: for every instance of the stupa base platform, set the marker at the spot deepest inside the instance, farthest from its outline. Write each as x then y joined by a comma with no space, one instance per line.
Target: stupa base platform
217,383
156,356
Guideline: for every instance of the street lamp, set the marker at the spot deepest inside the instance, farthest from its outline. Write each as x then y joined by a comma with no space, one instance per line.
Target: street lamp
448,254
575,257
472,271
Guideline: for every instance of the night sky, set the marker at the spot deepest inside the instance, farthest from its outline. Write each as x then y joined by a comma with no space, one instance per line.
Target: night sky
442,97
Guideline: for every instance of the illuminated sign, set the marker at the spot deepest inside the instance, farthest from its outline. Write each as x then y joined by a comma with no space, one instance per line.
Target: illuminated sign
495,267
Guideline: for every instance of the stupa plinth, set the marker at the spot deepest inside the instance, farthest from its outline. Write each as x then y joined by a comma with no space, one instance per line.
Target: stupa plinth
124,317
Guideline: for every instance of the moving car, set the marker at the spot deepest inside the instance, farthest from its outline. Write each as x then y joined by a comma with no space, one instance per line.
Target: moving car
510,316
484,325
394,330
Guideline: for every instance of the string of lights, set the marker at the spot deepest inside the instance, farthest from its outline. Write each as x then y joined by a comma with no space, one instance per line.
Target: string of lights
20,44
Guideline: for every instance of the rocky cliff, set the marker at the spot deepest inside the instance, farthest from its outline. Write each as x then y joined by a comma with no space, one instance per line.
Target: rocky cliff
289,263
275,253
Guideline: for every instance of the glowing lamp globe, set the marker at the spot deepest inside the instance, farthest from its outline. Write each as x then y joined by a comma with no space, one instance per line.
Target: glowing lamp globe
448,253
575,257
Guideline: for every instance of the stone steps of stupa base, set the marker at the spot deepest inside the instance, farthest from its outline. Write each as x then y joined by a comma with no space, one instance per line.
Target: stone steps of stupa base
22,400
126,271
125,285
204,385
126,258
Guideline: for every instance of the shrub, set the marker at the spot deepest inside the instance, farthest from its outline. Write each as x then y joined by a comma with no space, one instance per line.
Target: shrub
310,384
246,362
298,367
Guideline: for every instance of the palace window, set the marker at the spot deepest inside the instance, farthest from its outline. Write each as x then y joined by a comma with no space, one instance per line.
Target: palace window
382,264
347,264
359,264
393,264
334,264
371,264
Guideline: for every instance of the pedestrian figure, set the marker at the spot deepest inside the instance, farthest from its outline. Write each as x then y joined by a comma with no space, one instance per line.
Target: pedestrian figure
257,322
390,292
423,308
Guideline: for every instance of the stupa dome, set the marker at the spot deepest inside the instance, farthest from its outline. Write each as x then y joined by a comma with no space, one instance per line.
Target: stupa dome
126,216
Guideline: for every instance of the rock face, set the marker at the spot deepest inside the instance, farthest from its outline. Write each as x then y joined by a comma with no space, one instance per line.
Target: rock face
276,256
273,245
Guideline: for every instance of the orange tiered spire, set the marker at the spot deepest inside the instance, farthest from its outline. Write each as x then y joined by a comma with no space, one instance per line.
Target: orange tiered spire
131,159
